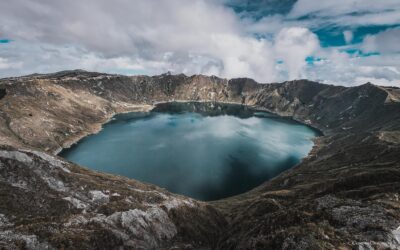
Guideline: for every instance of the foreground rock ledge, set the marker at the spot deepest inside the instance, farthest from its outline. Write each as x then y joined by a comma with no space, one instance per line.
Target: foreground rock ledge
345,193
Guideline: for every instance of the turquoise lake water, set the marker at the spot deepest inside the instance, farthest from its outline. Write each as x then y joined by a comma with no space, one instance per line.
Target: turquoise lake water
202,150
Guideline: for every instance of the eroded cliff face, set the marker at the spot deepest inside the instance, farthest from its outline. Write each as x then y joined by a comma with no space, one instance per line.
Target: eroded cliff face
344,194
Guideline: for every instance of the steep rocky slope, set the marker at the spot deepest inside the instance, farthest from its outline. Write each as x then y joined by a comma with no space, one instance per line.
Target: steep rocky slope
343,195
49,203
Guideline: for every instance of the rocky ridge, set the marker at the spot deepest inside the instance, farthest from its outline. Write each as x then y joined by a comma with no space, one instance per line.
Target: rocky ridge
344,194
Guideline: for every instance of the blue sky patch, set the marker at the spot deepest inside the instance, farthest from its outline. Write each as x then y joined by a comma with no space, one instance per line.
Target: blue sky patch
360,53
333,36
257,9
5,41
311,59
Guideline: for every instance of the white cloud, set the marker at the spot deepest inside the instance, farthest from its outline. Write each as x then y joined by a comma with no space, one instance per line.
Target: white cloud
176,35
293,45
349,12
340,68
5,64
198,36
348,36
244,56
383,42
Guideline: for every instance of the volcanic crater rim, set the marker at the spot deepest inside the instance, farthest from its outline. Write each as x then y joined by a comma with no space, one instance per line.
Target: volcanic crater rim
218,109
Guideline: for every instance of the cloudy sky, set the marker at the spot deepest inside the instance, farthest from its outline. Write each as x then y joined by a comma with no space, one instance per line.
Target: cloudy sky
345,42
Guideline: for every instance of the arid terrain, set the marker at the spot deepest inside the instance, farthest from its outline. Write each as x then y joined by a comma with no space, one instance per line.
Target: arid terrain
343,195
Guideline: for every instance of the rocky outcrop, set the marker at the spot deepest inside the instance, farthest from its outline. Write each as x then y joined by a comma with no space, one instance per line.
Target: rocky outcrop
49,203
344,194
